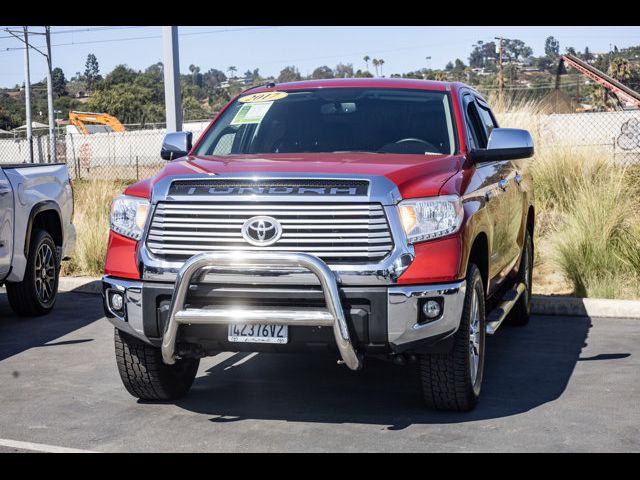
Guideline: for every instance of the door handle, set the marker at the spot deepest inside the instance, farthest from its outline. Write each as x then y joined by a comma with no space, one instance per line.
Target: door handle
503,184
518,179
3,192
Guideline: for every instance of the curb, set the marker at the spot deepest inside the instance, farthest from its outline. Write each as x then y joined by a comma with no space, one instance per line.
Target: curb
540,304
585,307
91,285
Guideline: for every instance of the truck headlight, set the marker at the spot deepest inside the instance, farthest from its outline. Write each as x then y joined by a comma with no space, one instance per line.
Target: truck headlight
429,218
129,215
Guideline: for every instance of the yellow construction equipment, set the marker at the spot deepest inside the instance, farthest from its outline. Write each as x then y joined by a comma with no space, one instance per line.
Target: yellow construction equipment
97,122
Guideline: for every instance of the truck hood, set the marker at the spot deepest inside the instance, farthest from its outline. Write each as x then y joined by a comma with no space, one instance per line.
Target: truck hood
414,175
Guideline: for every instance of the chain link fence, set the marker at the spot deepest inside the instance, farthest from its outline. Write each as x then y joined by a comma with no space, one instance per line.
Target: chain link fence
614,135
130,155
135,153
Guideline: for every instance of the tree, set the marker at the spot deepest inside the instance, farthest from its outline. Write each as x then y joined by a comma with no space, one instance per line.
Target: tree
366,59
255,75
58,82
376,62
551,47
232,71
516,48
481,53
157,70
620,69
587,54
212,78
449,66
380,63
571,51
458,70
196,78
128,102
361,74
289,74
344,71
91,70
120,74
322,72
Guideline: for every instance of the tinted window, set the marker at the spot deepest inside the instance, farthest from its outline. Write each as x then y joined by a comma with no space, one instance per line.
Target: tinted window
333,120
476,126
486,119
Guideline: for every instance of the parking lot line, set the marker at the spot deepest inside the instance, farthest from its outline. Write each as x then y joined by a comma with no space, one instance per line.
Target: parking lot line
39,447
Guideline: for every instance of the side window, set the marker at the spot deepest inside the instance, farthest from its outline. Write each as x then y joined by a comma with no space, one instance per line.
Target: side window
476,126
487,119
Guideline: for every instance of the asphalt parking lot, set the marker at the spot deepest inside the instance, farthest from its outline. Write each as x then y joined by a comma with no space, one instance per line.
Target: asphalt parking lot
560,384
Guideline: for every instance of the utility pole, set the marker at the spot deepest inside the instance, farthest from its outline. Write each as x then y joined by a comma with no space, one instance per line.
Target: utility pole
52,123
500,74
27,95
172,99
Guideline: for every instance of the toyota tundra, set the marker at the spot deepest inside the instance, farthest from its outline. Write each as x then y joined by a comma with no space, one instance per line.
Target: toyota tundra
368,217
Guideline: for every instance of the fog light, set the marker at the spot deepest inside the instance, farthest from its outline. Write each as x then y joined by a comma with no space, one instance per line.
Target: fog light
431,309
117,302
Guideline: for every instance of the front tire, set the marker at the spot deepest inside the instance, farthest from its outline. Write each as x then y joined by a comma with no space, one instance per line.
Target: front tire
452,381
146,376
36,294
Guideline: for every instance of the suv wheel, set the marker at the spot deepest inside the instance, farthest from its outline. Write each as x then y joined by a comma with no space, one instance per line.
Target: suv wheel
451,381
146,376
36,293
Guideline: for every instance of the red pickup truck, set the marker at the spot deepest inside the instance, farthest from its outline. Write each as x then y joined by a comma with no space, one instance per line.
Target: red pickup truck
368,217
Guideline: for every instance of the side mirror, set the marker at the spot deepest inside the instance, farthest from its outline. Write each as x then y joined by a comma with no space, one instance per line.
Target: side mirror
505,144
176,145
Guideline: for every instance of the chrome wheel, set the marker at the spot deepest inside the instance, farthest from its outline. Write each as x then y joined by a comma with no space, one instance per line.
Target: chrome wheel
45,273
474,337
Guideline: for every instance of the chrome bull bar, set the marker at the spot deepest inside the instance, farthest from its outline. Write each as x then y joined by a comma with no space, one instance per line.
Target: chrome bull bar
333,315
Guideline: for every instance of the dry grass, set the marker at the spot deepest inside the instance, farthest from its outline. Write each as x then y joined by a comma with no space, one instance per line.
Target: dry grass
588,227
92,200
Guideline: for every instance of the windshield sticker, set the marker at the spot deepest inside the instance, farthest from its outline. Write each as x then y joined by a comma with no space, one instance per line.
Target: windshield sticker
251,113
263,97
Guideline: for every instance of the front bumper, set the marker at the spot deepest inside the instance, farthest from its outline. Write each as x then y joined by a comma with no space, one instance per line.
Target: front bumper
361,319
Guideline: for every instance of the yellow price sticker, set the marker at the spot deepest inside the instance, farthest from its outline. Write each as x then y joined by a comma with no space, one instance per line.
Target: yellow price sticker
262,97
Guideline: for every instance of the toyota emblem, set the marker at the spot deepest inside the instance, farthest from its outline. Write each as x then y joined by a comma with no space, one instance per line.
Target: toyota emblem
261,231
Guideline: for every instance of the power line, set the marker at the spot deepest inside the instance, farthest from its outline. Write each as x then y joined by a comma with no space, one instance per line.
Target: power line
82,30
147,37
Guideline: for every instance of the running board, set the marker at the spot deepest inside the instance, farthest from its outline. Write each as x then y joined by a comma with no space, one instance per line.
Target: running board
497,315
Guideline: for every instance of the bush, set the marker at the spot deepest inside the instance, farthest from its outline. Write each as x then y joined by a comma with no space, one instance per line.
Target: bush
92,202
597,240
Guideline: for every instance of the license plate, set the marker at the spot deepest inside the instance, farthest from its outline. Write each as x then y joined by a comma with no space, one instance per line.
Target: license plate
258,333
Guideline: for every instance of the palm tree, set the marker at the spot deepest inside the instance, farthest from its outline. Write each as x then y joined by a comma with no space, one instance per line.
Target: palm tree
366,61
376,62
194,73
381,62
620,69
232,71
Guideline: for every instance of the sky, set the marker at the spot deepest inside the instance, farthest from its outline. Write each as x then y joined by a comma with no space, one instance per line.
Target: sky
271,48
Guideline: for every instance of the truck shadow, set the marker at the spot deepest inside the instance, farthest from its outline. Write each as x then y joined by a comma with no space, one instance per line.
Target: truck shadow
73,311
525,368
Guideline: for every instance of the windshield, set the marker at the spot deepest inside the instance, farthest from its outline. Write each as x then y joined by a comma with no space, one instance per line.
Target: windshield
376,120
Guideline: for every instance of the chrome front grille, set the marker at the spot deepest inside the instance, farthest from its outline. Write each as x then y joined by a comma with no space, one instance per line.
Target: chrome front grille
336,232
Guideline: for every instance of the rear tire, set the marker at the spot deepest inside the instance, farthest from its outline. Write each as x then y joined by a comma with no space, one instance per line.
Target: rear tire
36,294
452,381
146,376
521,311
